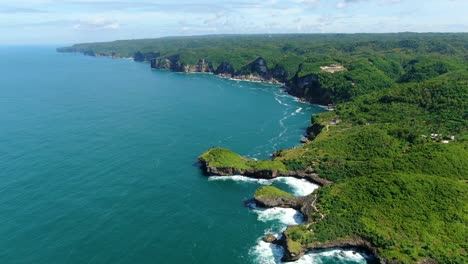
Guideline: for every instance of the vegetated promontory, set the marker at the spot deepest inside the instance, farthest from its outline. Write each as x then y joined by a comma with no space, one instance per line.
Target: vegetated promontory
392,158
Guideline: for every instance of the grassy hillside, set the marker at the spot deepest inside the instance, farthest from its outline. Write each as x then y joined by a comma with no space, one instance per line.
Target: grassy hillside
225,159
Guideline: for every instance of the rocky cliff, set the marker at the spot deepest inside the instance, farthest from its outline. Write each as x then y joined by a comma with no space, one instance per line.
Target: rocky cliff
308,174
257,70
307,87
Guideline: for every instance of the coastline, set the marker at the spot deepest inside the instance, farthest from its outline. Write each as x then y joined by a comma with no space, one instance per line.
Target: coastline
258,72
310,176
304,205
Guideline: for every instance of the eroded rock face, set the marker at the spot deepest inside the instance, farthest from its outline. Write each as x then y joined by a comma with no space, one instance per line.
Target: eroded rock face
280,74
257,67
169,63
269,202
269,238
225,68
138,56
292,251
308,174
309,87
203,66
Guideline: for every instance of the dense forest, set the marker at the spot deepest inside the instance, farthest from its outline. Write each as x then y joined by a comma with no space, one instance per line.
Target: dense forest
370,61
395,148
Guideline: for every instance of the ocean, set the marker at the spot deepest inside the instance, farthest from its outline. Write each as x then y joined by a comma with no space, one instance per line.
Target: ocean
98,163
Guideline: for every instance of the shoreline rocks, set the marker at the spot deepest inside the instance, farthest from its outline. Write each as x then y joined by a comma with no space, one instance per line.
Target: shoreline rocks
308,174
270,238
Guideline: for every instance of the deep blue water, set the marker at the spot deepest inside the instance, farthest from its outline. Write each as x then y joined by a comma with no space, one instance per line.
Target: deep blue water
97,154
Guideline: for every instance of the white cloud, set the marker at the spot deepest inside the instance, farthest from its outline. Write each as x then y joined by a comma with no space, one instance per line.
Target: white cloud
96,24
340,5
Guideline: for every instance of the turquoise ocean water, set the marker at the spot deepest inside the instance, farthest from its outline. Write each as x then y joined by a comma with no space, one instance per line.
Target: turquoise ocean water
97,163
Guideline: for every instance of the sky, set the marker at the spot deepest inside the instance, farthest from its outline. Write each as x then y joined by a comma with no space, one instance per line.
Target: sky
75,21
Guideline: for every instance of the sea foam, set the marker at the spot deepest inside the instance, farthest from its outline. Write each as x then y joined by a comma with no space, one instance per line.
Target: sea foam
299,187
239,178
284,216
334,255
280,218
265,253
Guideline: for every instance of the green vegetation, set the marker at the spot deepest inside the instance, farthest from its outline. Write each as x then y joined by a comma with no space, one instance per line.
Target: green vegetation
396,147
271,192
399,159
397,184
373,61
224,158
407,216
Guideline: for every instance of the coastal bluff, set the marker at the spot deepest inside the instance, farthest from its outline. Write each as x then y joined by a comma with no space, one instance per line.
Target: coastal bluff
223,162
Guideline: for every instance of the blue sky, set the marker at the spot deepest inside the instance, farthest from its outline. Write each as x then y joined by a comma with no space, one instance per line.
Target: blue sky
72,21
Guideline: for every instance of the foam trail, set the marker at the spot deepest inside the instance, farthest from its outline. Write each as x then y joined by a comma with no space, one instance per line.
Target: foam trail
266,253
285,216
336,256
280,102
239,178
300,187
299,110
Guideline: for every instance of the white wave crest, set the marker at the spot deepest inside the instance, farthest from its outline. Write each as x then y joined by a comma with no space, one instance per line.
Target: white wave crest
280,102
299,187
336,255
239,178
266,253
285,216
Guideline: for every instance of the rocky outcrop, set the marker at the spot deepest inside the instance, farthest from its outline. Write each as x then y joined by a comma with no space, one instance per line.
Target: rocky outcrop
169,63
309,88
279,201
307,174
204,66
257,67
314,130
229,171
292,250
226,69
280,74
270,238
139,56
293,253
256,71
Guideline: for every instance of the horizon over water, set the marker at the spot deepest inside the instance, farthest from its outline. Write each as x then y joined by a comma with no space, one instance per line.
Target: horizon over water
97,163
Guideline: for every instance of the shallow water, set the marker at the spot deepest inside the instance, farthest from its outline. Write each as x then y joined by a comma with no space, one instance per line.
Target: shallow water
97,154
